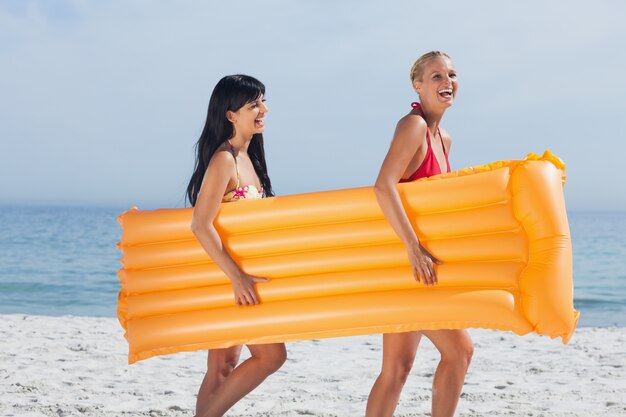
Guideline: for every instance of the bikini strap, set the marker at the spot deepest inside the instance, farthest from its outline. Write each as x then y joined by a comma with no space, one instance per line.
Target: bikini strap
232,152
417,106
445,153
442,145
430,145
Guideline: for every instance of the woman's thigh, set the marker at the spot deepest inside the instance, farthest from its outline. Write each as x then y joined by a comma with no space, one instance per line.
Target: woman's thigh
228,356
268,350
451,343
400,348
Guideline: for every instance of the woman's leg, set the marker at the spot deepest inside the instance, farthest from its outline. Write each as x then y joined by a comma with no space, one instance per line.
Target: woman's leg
456,350
220,364
398,356
264,361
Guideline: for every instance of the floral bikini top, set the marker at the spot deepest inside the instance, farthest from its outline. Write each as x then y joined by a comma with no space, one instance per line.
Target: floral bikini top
245,192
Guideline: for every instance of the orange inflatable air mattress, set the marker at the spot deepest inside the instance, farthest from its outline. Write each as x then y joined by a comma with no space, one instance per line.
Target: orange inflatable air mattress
337,268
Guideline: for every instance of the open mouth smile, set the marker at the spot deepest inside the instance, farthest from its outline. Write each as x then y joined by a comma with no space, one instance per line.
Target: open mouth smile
445,93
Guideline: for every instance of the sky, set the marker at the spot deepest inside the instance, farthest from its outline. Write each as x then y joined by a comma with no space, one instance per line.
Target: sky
101,103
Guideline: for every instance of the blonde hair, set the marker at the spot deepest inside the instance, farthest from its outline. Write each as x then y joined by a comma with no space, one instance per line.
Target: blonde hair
417,70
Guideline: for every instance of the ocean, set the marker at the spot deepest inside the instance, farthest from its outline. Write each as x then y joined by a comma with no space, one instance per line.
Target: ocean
63,261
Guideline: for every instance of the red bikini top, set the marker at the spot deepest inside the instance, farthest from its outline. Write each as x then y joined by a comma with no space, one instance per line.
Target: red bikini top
430,165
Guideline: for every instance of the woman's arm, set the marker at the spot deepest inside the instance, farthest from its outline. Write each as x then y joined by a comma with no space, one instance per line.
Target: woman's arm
407,140
214,184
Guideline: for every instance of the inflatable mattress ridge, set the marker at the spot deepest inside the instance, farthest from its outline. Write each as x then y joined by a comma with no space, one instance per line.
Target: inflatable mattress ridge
336,268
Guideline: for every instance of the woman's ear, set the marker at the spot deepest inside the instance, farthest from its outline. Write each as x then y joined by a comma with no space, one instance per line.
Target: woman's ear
417,86
231,116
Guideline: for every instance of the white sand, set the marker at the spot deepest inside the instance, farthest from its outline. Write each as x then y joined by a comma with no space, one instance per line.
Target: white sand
76,366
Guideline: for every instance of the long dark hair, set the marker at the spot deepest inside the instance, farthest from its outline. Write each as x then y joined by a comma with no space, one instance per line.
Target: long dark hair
231,93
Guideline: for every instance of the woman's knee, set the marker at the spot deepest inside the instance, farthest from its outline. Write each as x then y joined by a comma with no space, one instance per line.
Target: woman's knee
223,361
467,352
227,366
272,358
278,358
398,371
461,355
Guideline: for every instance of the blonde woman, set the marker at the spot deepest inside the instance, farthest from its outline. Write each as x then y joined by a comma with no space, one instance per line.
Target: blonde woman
420,148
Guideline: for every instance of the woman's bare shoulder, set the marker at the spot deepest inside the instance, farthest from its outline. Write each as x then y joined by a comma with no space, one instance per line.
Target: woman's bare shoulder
412,121
411,127
222,158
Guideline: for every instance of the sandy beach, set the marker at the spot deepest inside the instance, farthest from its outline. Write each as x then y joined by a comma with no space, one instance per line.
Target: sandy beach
77,366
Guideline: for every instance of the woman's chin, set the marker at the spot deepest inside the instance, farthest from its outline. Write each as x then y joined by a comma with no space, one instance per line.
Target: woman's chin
446,103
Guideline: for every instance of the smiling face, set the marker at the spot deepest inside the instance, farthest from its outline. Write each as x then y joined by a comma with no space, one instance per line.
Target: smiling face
250,118
438,85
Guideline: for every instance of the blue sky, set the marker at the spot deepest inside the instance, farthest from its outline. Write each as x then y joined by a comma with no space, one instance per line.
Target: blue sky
102,102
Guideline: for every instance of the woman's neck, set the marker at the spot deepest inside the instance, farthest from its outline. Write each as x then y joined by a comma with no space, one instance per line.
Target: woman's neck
432,118
240,143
